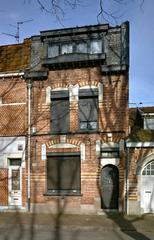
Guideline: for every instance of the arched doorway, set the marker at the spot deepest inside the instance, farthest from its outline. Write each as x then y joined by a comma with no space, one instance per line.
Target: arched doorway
109,187
147,188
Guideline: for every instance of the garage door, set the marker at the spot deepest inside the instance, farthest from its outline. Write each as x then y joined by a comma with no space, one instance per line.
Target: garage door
147,188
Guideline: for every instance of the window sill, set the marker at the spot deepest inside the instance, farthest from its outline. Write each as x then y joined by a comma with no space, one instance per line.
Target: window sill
88,131
62,194
59,133
79,131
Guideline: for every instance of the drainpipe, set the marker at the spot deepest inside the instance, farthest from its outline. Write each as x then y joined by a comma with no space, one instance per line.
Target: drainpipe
29,87
127,189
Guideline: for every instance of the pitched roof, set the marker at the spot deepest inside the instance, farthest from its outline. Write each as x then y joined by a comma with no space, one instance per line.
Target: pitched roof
138,133
15,57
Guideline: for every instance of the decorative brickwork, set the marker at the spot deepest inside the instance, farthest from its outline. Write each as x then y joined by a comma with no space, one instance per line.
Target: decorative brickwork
74,72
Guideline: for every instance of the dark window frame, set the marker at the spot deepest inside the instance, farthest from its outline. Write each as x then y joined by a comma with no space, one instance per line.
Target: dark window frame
60,124
69,191
91,96
74,46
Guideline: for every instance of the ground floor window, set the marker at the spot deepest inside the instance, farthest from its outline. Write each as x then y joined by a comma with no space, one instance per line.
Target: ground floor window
63,174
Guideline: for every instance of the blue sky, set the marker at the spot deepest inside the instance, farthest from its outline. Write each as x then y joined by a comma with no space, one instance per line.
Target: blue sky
141,34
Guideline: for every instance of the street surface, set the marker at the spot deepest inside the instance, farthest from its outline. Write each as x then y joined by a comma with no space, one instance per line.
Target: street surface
28,226
18,233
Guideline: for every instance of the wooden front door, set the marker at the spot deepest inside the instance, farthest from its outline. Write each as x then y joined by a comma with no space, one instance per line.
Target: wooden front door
109,187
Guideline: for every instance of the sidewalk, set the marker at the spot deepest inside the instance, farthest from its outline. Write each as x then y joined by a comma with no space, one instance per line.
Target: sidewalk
94,222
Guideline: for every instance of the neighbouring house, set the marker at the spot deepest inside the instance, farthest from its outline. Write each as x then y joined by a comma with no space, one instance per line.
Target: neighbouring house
74,117
140,161
13,114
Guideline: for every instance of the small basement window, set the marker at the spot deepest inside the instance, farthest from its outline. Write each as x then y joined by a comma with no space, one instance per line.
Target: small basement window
110,152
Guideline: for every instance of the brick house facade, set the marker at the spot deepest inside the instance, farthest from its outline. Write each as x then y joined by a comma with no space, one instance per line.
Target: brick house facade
13,117
77,108
140,161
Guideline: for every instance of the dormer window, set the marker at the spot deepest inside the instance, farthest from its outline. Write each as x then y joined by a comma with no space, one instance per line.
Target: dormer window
95,46
66,48
92,46
82,47
149,122
53,51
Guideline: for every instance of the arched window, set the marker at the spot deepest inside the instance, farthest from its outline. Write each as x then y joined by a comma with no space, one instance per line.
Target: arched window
149,169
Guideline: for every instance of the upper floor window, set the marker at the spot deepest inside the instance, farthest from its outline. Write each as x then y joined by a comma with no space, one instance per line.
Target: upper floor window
81,47
59,111
149,122
110,152
66,48
53,51
88,110
93,46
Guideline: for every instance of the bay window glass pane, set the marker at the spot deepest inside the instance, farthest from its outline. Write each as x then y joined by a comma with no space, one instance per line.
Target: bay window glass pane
53,51
66,48
95,46
81,47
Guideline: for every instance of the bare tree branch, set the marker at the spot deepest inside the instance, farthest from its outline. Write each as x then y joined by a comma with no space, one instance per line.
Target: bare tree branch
59,8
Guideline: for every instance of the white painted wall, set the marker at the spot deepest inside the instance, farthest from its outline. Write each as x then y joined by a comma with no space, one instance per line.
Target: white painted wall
9,149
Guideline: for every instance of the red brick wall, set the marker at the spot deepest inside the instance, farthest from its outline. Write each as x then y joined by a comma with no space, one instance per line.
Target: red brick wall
13,118
12,114
113,118
135,155
3,187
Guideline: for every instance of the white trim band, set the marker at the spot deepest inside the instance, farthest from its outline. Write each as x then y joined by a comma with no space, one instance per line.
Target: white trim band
11,104
2,75
139,144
